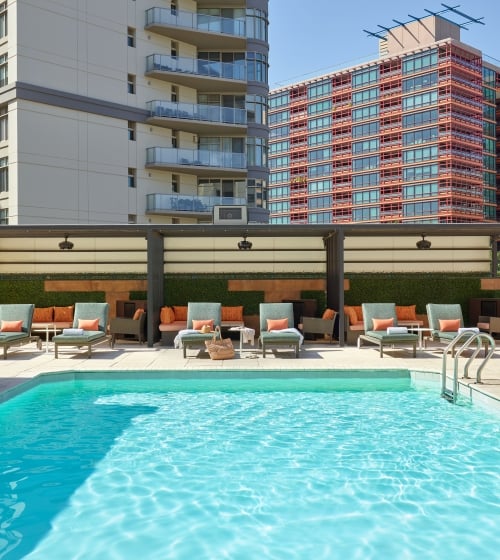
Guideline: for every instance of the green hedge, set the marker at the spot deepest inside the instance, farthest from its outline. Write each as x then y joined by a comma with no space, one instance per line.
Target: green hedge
403,289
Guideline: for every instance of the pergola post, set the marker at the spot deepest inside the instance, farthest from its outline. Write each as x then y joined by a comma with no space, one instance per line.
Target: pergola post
155,283
334,246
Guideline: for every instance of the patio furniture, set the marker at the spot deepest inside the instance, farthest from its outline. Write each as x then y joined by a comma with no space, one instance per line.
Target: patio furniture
381,328
15,325
199,313
120,327
276,327
491,325
89,328
318,325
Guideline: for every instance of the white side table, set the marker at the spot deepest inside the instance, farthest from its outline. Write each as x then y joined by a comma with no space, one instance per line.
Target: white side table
420,331
242,331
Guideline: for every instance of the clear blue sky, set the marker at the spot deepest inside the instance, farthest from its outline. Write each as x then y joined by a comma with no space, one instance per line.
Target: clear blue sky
315,37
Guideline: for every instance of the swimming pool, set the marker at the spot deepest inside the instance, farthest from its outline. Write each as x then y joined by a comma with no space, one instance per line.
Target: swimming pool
369,468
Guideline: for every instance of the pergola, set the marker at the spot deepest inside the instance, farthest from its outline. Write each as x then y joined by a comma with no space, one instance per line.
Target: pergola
329,249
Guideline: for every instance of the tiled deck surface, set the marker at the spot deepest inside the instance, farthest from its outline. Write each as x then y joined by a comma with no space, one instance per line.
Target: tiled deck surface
26,362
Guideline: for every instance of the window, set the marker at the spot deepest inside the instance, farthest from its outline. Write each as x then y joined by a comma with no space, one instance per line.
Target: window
131,178
4,124
131,130
175,183
256,67
417,119
321,154
3,19
319,90
319,202
279,177
173,7
365,180
281,161
422,190
174,139
281,116
367,129
366,197
131,36
421,172
320,170
364,77
132,218
371,162
174,94
174,49
283,146
364,214
421,136
365,113
365,146
320,218
420,154
3,70
417,62
4,216
324,185
131,83
4,174
430,207
319,122
320,138
278,100
420,100
365,96
319,107
419,82
279,131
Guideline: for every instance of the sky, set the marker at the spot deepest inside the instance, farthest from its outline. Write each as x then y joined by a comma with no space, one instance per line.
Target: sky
315,37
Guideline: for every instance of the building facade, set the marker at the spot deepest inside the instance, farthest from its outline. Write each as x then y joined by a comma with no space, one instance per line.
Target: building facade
410,137
132,111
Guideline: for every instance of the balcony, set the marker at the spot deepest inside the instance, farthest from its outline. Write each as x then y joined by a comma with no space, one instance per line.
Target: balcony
197,119
195,206
191,72
204,31
197,162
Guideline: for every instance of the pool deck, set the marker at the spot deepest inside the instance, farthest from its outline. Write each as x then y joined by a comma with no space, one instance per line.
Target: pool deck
26,362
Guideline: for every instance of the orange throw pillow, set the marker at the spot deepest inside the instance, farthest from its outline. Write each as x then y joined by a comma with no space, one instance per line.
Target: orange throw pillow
198,323
351,313
277,324
328,314
43,315
382,324
232,313
88,324
358,309
167,315
180,312
406,312
11,326
63,314
449,325
138,313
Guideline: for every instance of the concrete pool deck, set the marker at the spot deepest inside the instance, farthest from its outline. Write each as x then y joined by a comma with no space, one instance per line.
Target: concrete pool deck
26,362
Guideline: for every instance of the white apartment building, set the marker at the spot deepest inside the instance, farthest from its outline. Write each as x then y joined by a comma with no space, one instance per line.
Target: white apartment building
132,111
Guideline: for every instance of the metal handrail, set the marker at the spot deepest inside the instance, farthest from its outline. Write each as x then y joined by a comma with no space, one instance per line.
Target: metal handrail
474,337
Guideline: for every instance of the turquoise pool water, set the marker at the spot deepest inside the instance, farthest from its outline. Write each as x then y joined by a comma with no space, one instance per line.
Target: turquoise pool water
247,469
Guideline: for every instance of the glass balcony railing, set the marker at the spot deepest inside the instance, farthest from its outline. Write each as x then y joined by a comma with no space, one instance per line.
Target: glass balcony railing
197,66
190,158
197,22
192,111
185,203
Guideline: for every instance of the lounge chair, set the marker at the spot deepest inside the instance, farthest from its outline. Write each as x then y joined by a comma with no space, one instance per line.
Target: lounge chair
445,322
379,320
272,333
319,325
83,333
15,324
198,313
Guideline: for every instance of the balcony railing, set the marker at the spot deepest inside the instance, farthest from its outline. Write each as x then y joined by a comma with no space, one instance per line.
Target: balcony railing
189,158
197,66
195,21
186,203
192,111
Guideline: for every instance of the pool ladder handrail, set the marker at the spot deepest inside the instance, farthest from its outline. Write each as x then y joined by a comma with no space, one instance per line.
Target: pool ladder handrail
479,338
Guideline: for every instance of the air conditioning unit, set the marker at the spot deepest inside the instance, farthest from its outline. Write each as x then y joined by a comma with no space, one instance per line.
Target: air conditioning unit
230,215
